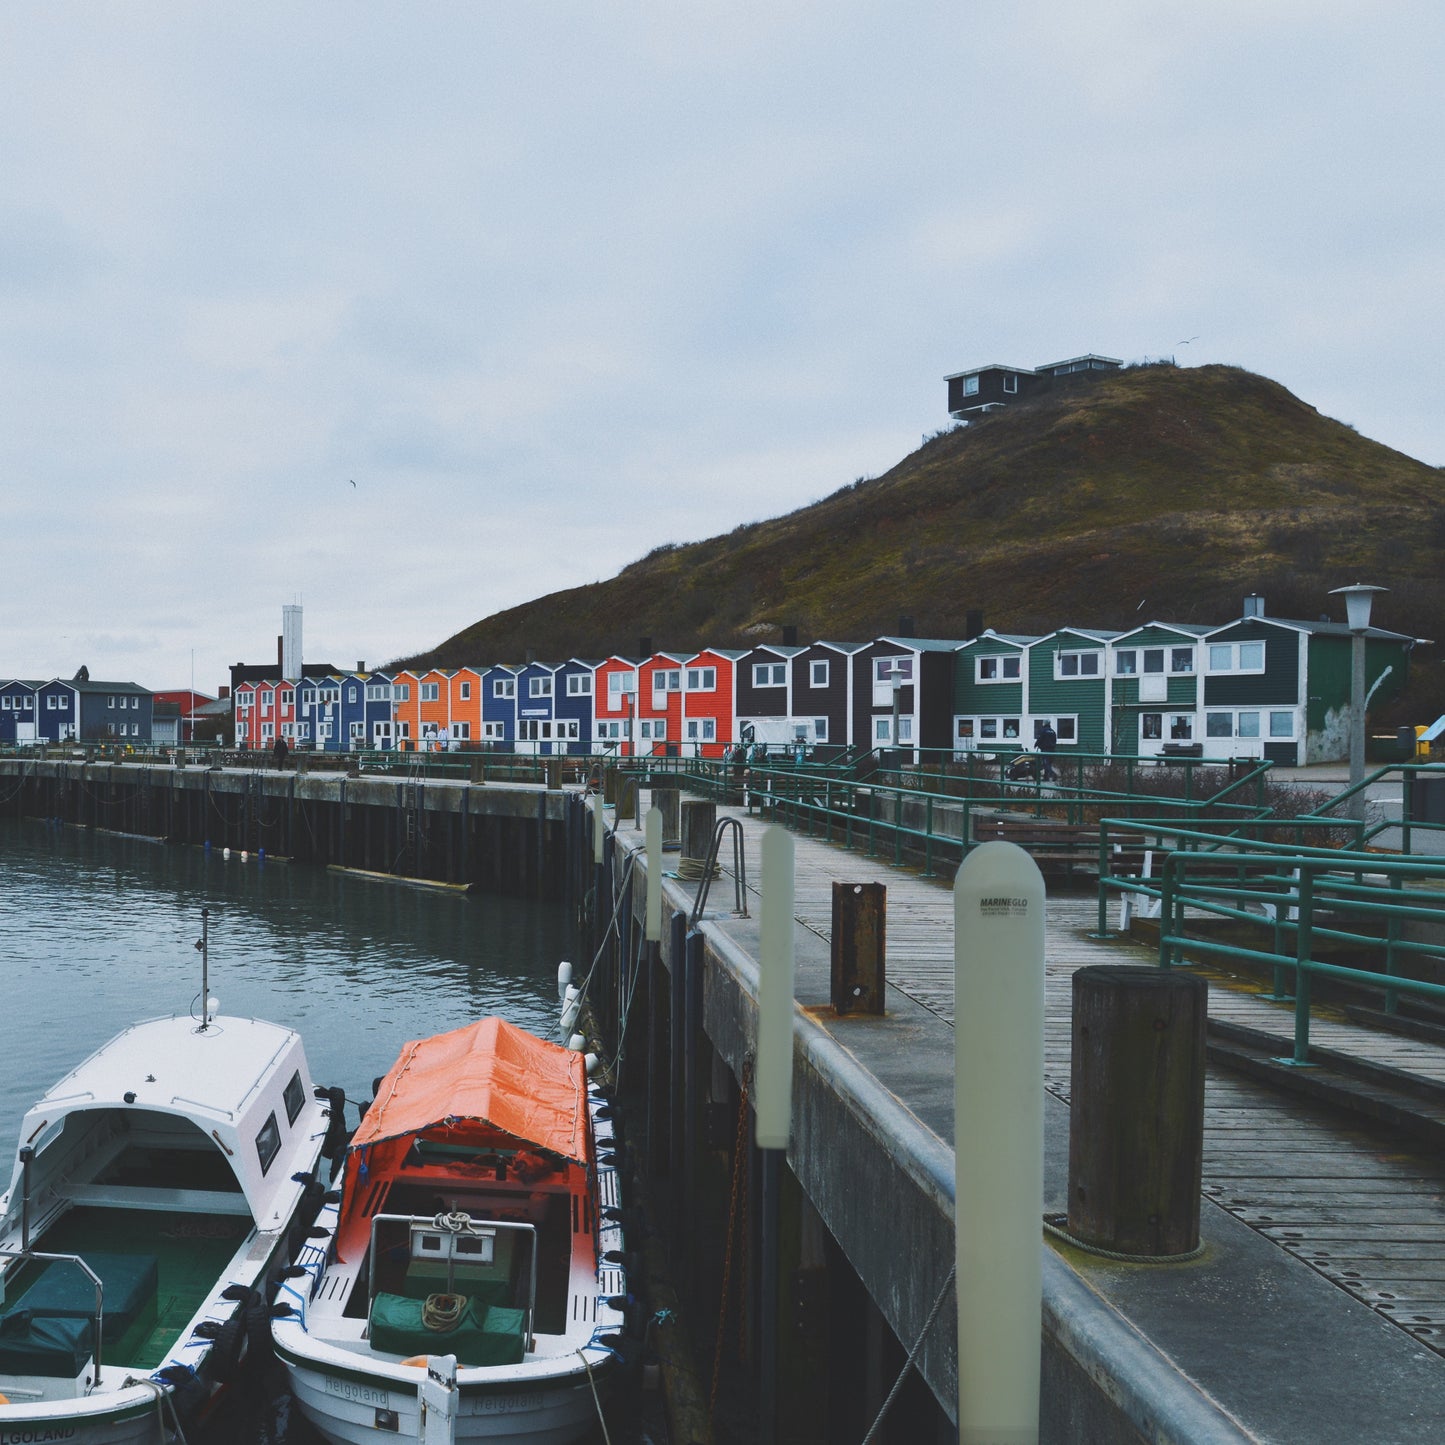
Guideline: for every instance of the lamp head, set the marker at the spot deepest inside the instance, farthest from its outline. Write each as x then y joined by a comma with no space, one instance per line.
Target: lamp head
1358,598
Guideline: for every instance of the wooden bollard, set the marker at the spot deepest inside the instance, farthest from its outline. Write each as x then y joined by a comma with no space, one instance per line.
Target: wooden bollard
552,768
698,822
1136,1122
668,801
860,913
613,781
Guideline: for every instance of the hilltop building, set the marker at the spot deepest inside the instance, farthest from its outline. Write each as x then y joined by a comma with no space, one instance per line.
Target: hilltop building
986,388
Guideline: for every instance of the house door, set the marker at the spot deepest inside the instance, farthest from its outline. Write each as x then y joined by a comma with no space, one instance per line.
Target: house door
24,733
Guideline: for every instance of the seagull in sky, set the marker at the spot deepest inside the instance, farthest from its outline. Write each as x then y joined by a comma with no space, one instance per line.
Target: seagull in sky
1186,343
353,484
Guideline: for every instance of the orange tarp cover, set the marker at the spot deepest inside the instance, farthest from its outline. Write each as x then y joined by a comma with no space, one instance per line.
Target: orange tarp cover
491,1072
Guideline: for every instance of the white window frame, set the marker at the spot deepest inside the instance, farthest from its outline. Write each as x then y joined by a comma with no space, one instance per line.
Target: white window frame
1232,660
770,674
702,730
579,684
539,687
462,731
1065,725
268,697
268,731
970,386
653,729
431,692
703,679
401,692
358,731
1188,654
378,692
493,731
1079,655
820,729
504,687
999,662
619,684
818,672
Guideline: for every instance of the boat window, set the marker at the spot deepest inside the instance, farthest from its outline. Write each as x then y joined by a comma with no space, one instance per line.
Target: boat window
268,1142
295,1097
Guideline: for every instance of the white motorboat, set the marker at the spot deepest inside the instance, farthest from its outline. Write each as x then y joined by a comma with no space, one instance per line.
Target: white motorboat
158,1189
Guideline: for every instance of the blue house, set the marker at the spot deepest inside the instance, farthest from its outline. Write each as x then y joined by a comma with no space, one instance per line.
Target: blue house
318,714
376,710
17,713
499,704
572,707
119,711
57,712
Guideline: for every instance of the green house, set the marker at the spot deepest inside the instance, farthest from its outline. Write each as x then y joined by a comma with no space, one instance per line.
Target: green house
1154,690
1280,689
1068,685
989,704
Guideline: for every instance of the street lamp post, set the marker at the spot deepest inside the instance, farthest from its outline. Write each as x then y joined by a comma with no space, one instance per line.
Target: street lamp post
1358,599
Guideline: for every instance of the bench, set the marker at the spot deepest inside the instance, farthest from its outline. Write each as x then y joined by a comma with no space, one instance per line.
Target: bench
1047,840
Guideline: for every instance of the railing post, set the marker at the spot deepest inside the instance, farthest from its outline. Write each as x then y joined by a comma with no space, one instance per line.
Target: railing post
1392,934
1166,913
928,837
1303,949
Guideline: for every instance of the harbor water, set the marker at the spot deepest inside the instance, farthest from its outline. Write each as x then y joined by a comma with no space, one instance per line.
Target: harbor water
98,931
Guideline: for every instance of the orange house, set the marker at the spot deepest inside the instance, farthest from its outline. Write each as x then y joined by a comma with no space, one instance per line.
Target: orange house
406,709
464,692
433,710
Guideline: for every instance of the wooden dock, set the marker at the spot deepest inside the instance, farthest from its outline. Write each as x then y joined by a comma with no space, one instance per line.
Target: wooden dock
1360,1209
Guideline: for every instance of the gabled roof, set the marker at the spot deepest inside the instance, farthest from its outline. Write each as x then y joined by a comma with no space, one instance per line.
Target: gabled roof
992,366
1322,628
778,649
1012,639
729,654
1089,634
1184,629
846,648
921,644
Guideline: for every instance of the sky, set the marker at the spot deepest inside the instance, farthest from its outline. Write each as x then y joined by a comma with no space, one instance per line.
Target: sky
412,313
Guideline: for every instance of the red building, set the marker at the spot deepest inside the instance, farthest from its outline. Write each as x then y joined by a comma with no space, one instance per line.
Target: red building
614,705
709,717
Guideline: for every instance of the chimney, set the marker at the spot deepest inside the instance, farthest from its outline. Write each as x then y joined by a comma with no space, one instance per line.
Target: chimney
361,664
1254,605
644,646
280,654
790,636
972,624
291,642
225,692
905,627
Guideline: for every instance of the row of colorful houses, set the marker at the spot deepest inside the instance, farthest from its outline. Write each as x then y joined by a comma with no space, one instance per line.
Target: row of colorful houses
1259,686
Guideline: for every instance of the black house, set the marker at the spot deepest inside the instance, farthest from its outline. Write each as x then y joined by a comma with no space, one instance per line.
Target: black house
986,388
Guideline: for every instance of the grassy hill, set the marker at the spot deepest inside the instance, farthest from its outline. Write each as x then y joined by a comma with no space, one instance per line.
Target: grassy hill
1153,492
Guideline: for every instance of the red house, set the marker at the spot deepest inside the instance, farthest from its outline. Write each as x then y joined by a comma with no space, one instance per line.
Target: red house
614,705
659,702
709,706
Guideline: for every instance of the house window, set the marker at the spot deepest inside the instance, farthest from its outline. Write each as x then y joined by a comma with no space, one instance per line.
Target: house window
1281,725
378,692
325,730
504,687
887,670
1153,659
462,730
1066,729
1077,664
818,673
608,730
1181,659
464,691
579,684
701,729
539,687
905,730
703,679
1151,726
1219,725
970,386
667,679
770,674
330,694
997,669
654,728
351,693
288,696
401,692
1236,657
882,728
430,691
492,731
1010,383
308,695
358,731
1247,725
619,683
403,729
110,701
820,729
268,731
1181,727
381,732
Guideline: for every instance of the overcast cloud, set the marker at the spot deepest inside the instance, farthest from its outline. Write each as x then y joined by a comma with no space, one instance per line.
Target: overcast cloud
556,283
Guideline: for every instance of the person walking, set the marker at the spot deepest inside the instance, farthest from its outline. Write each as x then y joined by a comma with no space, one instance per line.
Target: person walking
1046,740
281,750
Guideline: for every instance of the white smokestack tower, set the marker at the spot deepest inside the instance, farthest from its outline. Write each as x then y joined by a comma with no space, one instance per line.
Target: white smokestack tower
291,642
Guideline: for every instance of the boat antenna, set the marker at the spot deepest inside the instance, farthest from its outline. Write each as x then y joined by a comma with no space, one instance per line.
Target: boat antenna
204,944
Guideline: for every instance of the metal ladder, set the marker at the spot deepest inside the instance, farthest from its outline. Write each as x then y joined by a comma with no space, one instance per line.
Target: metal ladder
740,871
